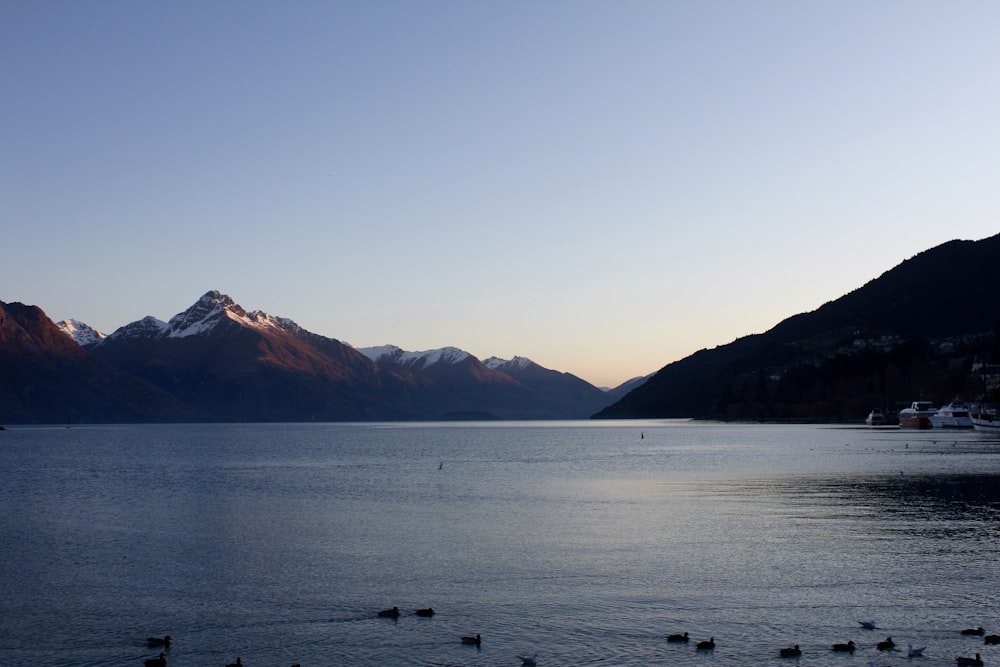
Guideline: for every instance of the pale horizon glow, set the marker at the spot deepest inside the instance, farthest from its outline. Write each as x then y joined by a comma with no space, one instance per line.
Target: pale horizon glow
601,187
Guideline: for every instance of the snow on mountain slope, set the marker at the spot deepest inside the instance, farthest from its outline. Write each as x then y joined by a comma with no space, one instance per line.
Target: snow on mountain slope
496,363
425,359
212,308
82,333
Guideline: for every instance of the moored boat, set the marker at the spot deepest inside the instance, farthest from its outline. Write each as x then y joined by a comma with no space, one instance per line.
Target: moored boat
985,418
953,415
918,415
876,418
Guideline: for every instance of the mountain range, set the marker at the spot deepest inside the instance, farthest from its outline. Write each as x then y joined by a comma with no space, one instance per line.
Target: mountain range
920,330
218,362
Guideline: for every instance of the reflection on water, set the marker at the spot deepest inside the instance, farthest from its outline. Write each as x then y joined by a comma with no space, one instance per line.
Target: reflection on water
944,497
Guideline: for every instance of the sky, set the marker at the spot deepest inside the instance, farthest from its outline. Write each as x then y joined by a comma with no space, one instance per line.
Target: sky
602,186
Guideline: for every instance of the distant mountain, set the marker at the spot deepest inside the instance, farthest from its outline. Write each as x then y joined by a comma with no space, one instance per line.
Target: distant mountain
571,397
914,331
217,361
82,333
618,392
465,387
46,377
224,363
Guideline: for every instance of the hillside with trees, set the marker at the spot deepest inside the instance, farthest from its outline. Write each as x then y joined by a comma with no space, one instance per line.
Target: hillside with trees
926,329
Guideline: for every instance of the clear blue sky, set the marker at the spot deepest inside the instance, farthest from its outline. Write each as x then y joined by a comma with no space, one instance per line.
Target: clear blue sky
601,186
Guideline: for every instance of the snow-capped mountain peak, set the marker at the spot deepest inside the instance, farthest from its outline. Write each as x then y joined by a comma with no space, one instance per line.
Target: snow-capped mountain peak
204,315
211,310
424,359
497,363
213,307
82,333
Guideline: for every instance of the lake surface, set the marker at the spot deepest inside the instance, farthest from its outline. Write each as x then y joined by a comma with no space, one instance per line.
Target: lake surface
583,542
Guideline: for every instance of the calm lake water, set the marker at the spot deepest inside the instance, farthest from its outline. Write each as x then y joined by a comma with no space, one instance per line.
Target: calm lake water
583,542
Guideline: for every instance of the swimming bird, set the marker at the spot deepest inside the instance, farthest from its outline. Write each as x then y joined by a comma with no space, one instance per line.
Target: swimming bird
912,652
844,648
156,662
969,662
792,652
528,660
973,631
238,663
867,625
425,612
886,645
707,645
991,639
389,613
469,639
678,638
153,642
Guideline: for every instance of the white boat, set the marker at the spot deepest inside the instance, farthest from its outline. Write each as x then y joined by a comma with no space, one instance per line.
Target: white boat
876,418
918,415
953,415
985,418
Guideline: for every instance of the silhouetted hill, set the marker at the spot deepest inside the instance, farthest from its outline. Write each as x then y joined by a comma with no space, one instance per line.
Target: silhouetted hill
914,331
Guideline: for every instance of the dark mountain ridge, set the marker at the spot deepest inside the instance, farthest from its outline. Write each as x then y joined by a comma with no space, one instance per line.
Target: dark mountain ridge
913,331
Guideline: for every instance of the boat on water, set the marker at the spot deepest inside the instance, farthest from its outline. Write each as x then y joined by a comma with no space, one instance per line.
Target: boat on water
985,418
954,415
876,418
918,415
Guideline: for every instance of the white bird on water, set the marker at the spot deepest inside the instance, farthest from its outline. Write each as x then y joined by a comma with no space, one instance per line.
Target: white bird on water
912,652
867,625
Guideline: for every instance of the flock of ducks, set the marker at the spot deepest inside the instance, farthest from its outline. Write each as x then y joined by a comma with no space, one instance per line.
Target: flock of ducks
886,644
